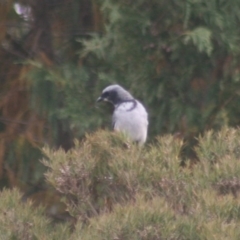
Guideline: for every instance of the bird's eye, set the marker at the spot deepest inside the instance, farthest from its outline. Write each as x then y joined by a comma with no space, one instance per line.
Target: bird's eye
106,94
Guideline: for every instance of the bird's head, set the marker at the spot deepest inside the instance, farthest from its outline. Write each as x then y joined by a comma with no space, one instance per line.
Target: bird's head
115,94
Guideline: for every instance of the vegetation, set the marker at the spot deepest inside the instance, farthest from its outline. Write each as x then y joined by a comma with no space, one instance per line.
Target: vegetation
117,192
180,58
20,220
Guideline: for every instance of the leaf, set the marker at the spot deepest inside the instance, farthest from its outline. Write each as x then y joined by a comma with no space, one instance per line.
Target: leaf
201,38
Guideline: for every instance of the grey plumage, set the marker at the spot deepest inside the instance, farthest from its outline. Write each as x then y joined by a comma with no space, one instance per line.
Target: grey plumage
129,116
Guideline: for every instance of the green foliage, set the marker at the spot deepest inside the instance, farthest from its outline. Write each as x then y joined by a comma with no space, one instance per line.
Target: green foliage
179,58
64,94
183,66
21,220
155,220
215,146
201,37
120,191
98,174
117,190
219,154
143,220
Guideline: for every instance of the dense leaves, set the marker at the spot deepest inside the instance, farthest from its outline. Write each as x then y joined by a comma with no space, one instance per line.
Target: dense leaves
21,220
180,58
123,192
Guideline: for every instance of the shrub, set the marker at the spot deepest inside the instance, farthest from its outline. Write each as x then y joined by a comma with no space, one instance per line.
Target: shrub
21,220
118,190
103,171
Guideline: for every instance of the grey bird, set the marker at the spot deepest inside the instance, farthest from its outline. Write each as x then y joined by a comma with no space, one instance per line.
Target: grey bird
129,116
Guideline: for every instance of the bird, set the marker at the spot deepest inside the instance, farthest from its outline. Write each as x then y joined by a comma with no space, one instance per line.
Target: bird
129,117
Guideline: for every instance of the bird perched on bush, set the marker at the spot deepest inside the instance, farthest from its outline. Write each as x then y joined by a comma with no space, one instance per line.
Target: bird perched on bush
129,116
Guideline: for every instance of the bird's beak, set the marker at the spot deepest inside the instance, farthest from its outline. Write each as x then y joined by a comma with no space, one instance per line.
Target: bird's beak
99,99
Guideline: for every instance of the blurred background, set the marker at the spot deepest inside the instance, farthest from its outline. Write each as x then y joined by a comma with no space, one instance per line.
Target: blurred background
180,58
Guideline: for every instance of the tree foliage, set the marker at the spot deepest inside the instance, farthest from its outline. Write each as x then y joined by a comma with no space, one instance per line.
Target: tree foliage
180,58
